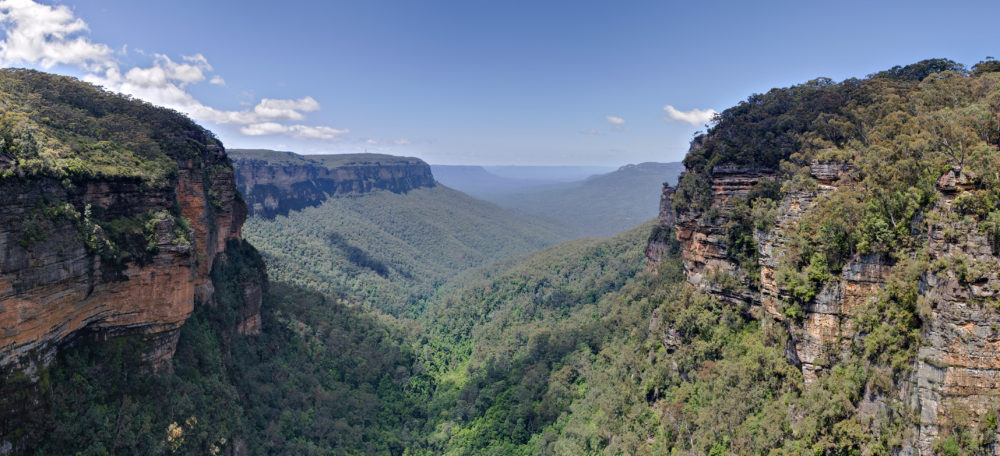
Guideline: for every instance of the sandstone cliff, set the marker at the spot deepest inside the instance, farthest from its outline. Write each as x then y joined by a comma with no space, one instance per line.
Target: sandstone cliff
955,376
114,213
275,183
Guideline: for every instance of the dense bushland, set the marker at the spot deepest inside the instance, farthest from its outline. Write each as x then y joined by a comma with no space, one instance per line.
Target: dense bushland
389,250
577,349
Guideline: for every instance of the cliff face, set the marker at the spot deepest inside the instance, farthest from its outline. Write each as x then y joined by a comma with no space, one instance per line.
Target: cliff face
955,375
56,286
957,370
275,183
107,253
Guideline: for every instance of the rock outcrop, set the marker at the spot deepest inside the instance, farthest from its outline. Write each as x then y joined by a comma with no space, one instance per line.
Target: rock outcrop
659,244
56,286
702,235
98,250
956,372
274,183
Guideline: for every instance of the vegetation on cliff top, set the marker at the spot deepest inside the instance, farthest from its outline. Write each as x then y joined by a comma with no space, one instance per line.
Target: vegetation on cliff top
60,127
575,350
277,158
898,131
903,137
72,132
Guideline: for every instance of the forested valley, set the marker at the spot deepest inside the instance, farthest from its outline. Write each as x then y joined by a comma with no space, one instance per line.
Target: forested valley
812,286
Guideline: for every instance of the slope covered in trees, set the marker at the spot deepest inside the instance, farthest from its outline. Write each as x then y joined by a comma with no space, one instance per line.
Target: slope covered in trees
872,205
578,348
320,378
392,250
601,205
891,179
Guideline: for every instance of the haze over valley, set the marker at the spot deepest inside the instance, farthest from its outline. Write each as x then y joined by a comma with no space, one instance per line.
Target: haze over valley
519,228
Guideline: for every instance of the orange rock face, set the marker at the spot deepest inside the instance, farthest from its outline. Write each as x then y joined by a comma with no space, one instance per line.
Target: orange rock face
54,286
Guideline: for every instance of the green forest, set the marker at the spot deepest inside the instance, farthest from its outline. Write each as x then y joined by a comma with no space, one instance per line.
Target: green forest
390,250
433,323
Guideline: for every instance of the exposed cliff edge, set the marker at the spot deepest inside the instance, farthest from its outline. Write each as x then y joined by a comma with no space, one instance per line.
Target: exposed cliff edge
862,251
114,214
275,183
955,370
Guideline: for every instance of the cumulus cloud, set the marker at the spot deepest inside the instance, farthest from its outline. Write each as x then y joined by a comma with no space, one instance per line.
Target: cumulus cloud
285,109
295,131
617,122
165,71
696,117
402,142
46,36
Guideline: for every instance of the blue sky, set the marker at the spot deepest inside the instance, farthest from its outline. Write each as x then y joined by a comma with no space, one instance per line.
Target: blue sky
477,82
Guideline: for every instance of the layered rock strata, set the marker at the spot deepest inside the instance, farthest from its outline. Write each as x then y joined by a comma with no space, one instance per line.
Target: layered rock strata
957,368
274,183
60,274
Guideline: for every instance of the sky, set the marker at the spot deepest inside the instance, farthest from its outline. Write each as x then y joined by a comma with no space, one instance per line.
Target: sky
474,81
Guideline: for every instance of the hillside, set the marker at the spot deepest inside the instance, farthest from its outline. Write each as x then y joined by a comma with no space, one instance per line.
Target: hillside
822,279
392,250
825,285
493,183
601,205
855,224
547,173
530,354
480,183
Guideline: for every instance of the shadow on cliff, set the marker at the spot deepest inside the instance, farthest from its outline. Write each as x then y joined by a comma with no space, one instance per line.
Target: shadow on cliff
309,376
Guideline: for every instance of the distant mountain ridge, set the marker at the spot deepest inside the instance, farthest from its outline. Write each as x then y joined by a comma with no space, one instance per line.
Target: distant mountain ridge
548,173
601,205
479,182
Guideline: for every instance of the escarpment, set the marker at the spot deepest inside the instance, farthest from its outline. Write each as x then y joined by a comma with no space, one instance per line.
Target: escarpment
114,213
955,373
864,251
275,183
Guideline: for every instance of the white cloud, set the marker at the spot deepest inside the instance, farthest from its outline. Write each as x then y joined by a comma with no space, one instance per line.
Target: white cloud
295,131
46,36
164,84
165,71
696,117
285,109
593,131
197,59
617,122
402,142
264,129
